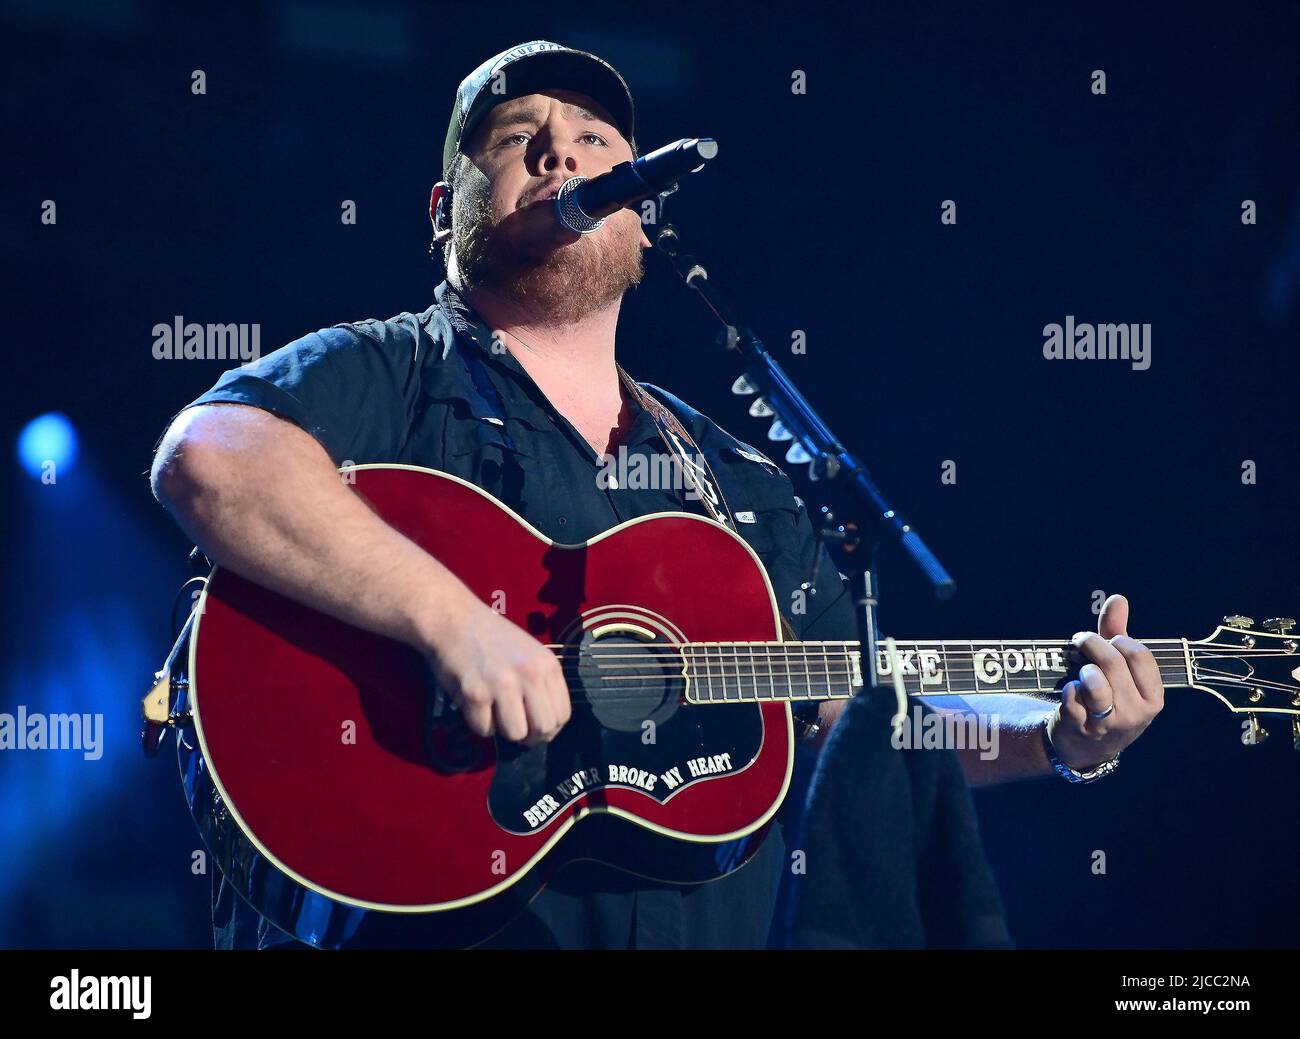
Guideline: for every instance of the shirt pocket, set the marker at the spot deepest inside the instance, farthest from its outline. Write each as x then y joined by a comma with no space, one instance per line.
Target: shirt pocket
763,504
486,450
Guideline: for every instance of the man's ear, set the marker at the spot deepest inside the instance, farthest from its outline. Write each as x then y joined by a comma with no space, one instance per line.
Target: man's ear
440,211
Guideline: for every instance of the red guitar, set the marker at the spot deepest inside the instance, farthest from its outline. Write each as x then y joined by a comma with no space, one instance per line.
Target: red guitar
344,798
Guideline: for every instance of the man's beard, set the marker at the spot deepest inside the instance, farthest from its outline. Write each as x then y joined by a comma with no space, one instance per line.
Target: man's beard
565,284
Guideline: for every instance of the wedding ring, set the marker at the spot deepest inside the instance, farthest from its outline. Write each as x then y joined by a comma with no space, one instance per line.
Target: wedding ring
1099,715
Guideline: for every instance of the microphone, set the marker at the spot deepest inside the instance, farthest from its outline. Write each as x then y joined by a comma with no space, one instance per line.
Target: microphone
583,204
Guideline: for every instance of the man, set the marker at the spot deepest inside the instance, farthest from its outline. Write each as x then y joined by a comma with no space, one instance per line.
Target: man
509,380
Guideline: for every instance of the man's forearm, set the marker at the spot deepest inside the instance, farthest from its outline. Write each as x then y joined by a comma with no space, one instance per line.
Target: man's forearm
1011,744
261,497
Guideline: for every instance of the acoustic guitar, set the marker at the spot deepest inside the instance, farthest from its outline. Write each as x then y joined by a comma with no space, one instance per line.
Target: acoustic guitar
340,792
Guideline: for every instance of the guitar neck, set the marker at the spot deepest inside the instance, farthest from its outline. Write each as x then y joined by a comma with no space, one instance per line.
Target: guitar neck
737,672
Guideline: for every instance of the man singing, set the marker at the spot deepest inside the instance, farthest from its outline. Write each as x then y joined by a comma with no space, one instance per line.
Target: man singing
509,380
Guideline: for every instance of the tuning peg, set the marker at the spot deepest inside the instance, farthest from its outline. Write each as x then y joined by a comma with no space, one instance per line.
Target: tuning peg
778,431
1258,734
742,387
1295,732
1279,625
1236,620
761,408
797,454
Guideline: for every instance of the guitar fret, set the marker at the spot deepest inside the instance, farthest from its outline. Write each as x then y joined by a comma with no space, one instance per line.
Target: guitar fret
1042,658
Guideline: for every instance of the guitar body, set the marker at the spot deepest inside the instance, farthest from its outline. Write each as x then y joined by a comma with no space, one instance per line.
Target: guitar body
342,795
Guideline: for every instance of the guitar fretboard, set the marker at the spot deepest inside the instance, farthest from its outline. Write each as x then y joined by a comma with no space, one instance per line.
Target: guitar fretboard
735,672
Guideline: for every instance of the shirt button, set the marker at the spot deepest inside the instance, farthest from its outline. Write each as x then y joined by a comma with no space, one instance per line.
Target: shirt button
563,521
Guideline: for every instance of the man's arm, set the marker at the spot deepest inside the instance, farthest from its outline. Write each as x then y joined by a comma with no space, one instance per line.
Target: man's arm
1117,695
1015,750
261,497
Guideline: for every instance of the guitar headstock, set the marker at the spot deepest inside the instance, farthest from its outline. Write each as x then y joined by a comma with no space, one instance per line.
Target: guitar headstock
1255,671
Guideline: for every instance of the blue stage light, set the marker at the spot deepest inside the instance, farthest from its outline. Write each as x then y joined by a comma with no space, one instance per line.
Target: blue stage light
49,438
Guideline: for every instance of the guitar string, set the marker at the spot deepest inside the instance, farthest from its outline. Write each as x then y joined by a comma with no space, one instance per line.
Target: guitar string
820,677
825,675
817,677
810,666
813,649
939,645
1176,663
743,658
674,660
716,669
847,690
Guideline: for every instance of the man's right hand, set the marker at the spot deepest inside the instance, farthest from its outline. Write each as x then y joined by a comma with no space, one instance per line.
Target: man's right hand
504,681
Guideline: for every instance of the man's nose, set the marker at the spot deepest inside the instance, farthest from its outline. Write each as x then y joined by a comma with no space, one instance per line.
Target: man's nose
555,154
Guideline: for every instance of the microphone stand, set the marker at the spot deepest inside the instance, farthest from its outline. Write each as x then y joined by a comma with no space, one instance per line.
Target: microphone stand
794,419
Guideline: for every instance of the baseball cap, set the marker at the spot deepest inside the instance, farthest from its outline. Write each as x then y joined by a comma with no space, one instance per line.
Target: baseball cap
526,69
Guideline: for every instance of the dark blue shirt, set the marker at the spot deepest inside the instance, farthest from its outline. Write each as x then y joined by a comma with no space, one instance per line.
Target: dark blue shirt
436,390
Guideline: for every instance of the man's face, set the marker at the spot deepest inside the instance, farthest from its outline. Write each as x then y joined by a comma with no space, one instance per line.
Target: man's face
505,232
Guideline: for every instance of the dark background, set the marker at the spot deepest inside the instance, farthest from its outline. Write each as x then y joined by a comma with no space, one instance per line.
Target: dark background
822,214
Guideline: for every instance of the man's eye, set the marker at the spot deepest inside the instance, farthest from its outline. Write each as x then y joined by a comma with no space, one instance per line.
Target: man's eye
510,137
595,137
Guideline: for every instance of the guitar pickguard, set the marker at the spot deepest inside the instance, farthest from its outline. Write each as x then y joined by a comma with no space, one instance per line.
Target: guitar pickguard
533,785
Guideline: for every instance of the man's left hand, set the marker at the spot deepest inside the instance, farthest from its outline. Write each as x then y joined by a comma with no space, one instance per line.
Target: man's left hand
1116,696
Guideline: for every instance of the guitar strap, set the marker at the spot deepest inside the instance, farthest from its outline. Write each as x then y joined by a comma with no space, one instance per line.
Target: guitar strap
697,474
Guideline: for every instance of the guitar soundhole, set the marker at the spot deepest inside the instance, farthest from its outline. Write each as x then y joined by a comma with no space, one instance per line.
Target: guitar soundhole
627,679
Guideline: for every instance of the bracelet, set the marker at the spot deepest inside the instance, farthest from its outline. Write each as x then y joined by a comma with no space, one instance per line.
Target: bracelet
1073,775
